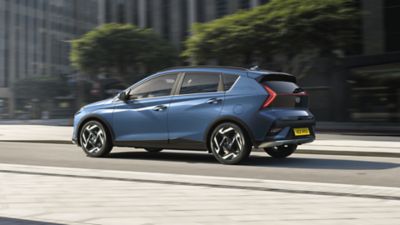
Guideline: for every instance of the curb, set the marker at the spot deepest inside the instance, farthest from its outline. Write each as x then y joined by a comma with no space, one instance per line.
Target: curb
349,153
345,153
291,187
39,141
301,151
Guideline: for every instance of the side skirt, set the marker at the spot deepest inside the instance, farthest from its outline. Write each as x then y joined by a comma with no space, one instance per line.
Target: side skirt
179,144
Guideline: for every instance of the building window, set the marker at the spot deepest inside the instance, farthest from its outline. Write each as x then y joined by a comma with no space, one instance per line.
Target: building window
244,4
3,108
184,19
134,9
121,13
200,12
222,9
165,19
108,11
149,10
392,28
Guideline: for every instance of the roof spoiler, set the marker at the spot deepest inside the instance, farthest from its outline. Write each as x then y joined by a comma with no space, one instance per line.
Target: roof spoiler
262,77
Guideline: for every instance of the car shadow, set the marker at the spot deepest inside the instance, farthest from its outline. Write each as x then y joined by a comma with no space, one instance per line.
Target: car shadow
6,220
315,162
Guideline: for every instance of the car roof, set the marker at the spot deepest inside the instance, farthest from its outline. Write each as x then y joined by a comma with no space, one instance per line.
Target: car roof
220,69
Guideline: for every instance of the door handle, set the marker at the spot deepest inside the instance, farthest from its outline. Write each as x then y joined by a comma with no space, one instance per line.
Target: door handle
214,101
160,108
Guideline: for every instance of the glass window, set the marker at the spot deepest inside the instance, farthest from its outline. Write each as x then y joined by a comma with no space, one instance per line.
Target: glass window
282,86
229,80
200,83
157,87
221,7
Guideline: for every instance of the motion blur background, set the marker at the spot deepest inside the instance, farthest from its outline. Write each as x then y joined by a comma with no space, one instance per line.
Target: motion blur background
37,80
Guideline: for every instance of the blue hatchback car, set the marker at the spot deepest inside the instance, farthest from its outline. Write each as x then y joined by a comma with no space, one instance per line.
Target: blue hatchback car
223,110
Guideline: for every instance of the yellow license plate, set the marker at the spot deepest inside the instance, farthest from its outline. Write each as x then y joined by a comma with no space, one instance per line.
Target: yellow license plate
301,131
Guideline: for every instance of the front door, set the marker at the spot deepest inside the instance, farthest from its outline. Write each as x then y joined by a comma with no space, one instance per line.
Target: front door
142,120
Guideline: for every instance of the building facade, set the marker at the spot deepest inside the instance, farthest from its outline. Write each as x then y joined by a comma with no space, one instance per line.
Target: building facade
171,19
34,37
377,57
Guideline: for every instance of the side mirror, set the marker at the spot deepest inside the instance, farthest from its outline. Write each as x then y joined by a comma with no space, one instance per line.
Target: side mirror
123,96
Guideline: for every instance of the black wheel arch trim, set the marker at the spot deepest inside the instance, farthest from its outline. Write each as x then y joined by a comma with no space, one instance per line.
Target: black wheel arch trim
97,118
228,119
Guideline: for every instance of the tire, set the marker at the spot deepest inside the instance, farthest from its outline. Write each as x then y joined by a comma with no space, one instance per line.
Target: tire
229,143
95,139
281,152
153,150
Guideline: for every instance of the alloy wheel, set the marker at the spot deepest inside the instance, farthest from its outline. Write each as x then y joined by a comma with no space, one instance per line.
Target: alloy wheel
94,139
228,143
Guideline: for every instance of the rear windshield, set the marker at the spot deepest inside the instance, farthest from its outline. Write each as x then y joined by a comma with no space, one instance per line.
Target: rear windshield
281,87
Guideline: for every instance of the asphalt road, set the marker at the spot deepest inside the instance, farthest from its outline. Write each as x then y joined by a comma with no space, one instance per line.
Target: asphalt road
377,171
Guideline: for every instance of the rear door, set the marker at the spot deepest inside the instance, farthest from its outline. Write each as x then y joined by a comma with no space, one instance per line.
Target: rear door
197,103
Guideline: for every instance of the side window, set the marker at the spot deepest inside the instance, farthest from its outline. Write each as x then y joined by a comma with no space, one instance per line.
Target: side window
157,87
229,80
200,83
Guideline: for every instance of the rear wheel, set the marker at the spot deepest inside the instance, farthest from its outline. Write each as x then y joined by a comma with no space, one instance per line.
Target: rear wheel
95,140
153,149
229,143
280,152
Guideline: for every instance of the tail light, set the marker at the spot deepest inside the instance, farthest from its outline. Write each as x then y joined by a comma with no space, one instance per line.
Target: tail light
271,97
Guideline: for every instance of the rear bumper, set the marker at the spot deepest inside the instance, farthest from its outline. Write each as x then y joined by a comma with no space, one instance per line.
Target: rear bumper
298,141
281,132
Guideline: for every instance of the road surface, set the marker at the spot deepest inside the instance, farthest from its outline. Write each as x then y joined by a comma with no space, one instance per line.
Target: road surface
361,170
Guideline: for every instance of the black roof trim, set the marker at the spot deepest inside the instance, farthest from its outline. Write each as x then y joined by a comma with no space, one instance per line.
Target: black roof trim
205,67
277,77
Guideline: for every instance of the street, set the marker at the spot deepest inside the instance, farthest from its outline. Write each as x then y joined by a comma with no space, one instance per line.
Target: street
381,171
54,184
296,102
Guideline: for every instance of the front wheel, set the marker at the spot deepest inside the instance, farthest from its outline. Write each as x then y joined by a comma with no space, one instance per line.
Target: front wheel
95,140
229,144
280,152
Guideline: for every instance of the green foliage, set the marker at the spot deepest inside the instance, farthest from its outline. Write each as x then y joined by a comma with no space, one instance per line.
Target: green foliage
121,50
284,27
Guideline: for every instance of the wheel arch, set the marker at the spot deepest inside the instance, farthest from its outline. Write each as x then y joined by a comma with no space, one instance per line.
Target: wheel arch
226,119
98,119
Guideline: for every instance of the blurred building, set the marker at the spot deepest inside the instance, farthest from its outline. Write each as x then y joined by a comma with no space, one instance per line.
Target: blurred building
171,19
374,74
34,37
366,89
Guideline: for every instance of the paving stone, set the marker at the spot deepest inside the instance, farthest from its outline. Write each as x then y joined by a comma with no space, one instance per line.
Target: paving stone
84,201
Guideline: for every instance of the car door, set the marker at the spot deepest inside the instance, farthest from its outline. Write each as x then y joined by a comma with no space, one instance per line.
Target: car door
142,120
197,103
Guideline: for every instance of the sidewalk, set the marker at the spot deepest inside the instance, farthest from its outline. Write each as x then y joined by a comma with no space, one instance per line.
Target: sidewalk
85,196
325,143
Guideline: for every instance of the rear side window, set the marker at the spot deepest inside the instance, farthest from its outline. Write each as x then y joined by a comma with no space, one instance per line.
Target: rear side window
200,83
281,87
229,80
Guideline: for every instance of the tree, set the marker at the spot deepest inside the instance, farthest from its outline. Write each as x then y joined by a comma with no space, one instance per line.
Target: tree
288,32
121,50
